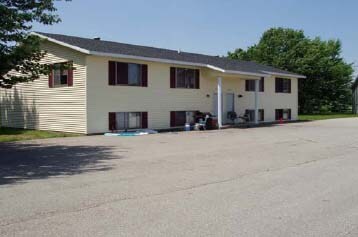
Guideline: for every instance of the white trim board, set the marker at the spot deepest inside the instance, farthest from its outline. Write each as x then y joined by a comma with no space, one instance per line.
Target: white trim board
284,74
85,51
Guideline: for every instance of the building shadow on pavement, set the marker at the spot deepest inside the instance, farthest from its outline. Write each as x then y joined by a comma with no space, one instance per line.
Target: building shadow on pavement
21,162
267,124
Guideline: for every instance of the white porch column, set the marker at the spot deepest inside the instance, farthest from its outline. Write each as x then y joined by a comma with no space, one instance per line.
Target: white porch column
257,101
220,116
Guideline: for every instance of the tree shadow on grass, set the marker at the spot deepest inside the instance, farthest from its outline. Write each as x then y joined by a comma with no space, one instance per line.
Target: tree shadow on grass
21,162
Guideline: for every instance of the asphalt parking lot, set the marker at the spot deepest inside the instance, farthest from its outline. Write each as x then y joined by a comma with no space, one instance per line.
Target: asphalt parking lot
298,179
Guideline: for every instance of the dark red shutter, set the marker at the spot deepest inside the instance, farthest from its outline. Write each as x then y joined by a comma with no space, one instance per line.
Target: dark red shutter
289,85
277,114
172,119
144,119
111,73
112,121
277,84
50,77
144,75
172,77
262,84
122,73
70,74
247,85
197,79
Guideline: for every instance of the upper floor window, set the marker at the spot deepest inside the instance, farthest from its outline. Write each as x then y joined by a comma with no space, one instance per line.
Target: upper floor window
134,74
128,74
283,85
61,75
250,85
184,78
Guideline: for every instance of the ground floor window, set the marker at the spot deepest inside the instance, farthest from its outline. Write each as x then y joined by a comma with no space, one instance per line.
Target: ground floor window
284,114
180,118
251,115
127,120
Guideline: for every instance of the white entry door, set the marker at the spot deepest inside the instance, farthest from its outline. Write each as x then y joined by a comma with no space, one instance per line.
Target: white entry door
230,106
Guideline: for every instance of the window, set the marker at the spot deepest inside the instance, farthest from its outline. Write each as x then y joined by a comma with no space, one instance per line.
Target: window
128,120
250,85
134,74
184,78
261,115
61,75
251,115
190,117
180,118
284,114
283,85
128,74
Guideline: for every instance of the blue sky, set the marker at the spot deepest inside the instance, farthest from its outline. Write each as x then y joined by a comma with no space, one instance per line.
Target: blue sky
210,27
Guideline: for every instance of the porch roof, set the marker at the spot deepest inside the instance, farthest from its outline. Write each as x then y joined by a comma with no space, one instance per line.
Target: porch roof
115,49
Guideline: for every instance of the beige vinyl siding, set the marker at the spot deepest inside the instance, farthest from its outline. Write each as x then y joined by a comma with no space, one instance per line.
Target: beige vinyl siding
269,100
158,99
34,105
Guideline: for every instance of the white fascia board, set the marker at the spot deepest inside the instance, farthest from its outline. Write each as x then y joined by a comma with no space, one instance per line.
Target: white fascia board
284,74
96,53
247,73
114,55
85,51
215,68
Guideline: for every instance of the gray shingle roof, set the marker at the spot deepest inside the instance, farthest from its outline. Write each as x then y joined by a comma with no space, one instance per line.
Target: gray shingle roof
110,47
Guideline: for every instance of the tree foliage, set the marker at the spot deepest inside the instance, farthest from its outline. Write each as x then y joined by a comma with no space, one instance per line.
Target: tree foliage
329,77
20,51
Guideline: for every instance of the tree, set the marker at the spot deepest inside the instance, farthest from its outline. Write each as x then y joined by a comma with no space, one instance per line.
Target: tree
329,77
19,51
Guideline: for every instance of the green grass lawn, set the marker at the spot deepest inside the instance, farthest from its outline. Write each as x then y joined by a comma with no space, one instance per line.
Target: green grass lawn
325,116
13,134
